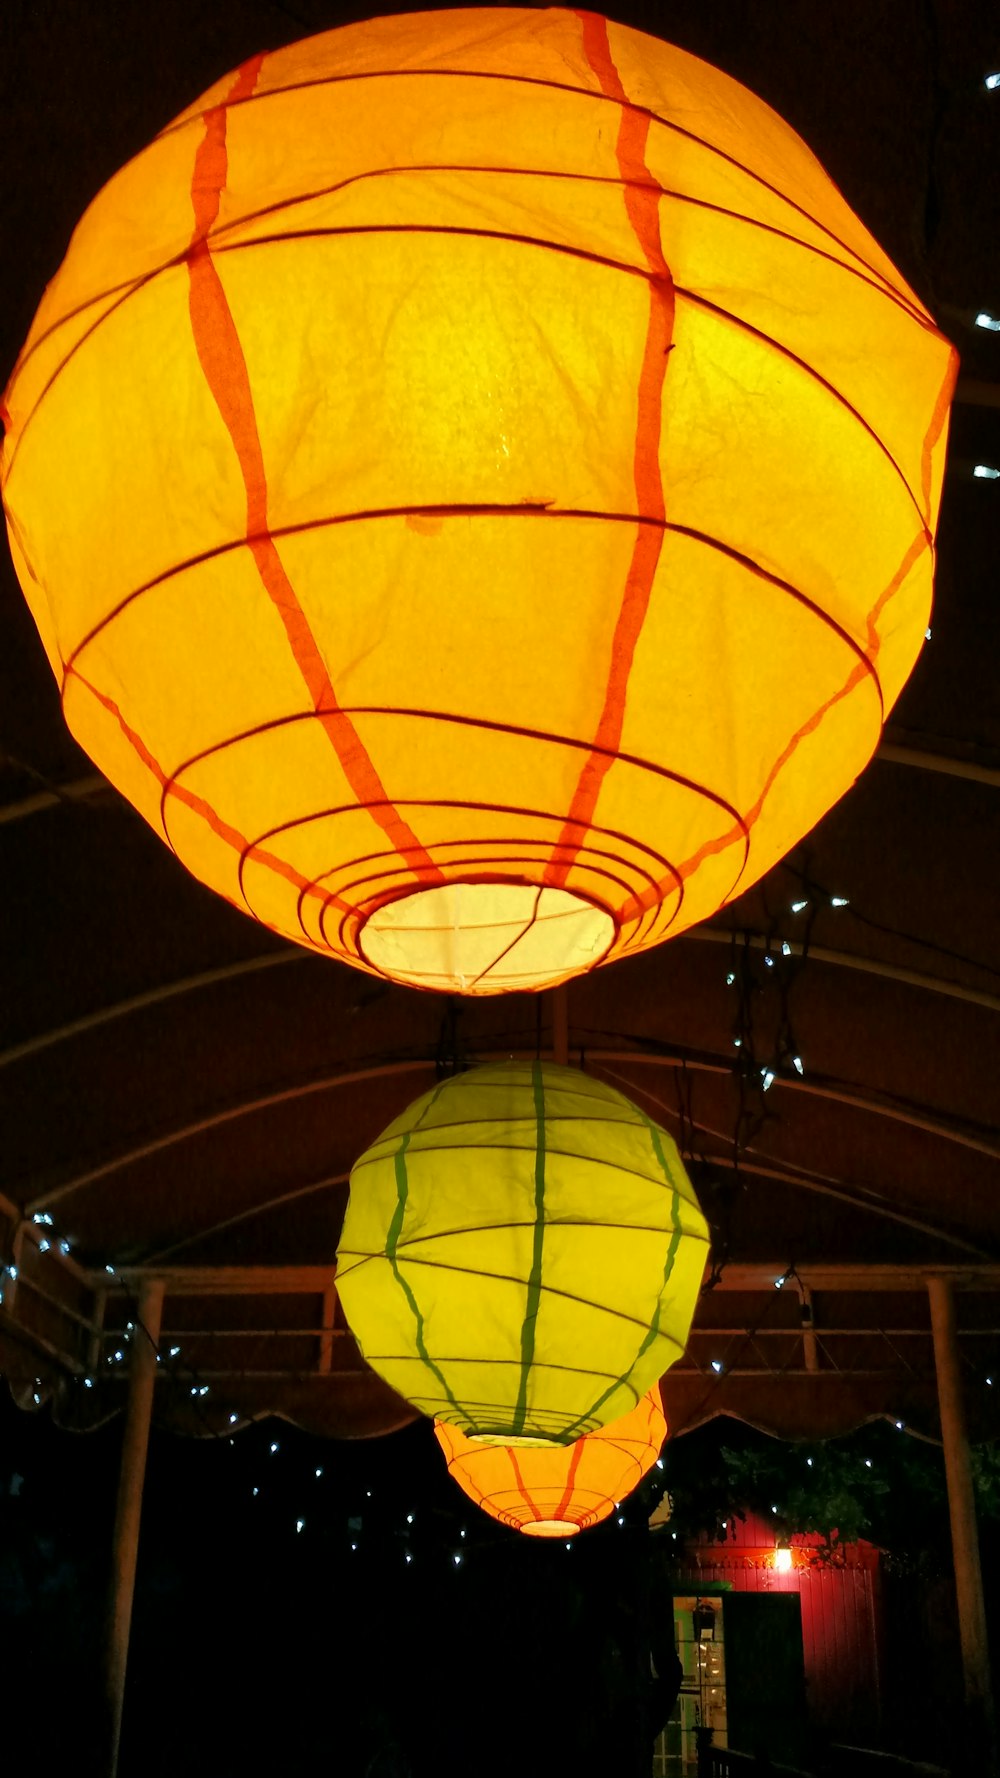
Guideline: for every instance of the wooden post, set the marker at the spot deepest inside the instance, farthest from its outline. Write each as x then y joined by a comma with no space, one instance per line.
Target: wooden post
560,1025
980,1745
135,1443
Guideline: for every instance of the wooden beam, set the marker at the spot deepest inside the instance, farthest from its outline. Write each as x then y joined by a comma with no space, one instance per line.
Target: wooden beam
135,1444
978,1751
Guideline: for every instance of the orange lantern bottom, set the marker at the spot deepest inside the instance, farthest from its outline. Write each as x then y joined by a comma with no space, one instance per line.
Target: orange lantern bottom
558,1490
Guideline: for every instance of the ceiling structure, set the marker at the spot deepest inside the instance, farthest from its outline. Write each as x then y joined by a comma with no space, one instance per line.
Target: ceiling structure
183,1096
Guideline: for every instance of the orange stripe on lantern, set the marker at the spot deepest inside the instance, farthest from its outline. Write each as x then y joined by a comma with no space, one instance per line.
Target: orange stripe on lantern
642,197
221,356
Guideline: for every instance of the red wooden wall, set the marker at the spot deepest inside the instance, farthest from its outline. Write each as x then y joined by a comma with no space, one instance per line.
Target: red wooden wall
841,1616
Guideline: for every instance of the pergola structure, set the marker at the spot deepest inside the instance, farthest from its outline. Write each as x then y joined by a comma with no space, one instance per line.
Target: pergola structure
183,1097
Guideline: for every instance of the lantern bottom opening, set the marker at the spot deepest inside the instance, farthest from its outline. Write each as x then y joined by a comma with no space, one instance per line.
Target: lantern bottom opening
550,1528
486,938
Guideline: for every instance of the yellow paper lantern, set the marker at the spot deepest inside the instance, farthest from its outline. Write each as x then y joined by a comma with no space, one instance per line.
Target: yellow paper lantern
521,1253
475,481
558,1490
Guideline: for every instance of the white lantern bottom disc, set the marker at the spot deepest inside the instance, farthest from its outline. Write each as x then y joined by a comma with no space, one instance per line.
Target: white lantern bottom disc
549,1528
486,938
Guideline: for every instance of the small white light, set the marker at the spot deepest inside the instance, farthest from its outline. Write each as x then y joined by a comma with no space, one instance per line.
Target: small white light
990,1381
42,1216
409,1518
274,1447
110,1271
368,1493
768,960
809,1462
256,1492
786,949
839,901
725,1524
299,1524
737,1043
204,1389
985,472
64,1246
194,1389
992,81
175,1351
88,1382
779,1283
798,907
12,1274
774,1509
899,1425
717,1365
456,1558
868,1463
354,1546
659,1462
462,1532
798,1065
674,1535
927,633
36,1398
43,1246
319,1472
766,1082
783,1559
233,1419
731,977
409,1558
119,1356
569,1546
621,1521
990,322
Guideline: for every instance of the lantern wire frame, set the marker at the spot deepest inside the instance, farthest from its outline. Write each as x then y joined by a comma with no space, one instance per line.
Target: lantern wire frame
435,473
521,1253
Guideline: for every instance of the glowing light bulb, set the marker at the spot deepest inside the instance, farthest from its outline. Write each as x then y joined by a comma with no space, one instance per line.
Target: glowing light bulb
839,901
985,472
783,1558
731,977
300,1524
717,1365
799,906
786,949
43,1246
274,1447
766,1082
798,1065
233,1419
990,322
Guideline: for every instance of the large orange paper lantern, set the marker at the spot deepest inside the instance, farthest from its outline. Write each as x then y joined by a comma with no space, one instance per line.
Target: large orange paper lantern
475,480
521,1253
557,1490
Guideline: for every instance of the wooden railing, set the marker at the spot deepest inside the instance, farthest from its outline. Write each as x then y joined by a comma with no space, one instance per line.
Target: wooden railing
837,1762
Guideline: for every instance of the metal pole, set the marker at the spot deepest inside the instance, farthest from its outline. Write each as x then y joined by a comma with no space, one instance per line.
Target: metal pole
135,1444
979,1722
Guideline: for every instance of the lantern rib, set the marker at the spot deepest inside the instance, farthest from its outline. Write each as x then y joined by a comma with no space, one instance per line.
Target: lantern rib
498,840
649,1333
519,509
511,237
525,929
375,1154
579,92
130,286
702,302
